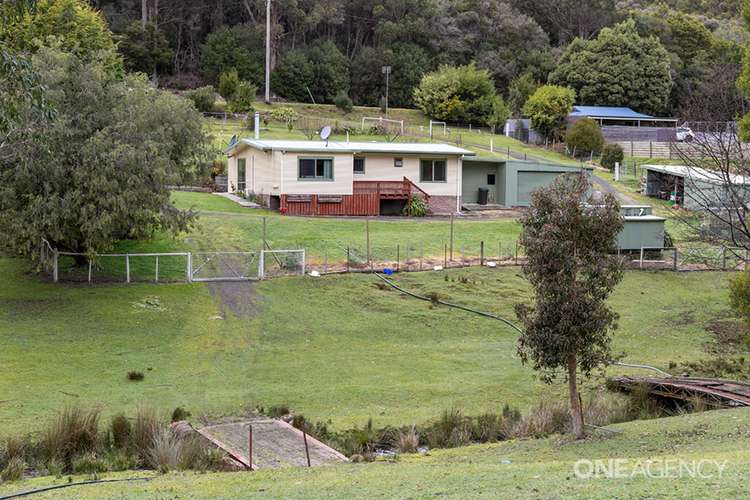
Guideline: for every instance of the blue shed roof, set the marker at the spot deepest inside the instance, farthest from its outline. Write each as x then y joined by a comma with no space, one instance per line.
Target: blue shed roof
609,112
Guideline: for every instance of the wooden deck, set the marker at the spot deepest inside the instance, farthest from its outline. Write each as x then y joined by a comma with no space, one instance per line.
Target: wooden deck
364,200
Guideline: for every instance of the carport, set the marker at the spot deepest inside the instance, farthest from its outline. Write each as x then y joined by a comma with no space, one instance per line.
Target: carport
693,188
509,182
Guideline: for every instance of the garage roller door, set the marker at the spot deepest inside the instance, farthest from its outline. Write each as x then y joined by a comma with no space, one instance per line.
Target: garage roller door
529,181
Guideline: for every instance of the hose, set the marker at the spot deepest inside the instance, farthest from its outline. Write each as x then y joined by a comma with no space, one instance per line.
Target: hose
499,318
456,306
68,485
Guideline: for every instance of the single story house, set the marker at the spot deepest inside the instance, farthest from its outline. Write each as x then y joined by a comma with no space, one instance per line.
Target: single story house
691,187
374,178
619,116
346,178
509,182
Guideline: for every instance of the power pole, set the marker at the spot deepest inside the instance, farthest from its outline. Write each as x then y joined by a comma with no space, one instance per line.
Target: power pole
387,72
268,51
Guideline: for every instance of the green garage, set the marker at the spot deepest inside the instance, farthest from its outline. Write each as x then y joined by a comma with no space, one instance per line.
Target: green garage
507,183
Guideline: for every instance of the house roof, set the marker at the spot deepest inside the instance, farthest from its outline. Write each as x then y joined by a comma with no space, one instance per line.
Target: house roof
613,113
352,147
696,174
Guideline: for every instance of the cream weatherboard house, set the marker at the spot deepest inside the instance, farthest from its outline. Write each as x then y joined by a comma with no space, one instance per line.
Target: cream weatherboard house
347,178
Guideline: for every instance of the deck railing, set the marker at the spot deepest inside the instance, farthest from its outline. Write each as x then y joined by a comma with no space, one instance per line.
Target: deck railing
389,189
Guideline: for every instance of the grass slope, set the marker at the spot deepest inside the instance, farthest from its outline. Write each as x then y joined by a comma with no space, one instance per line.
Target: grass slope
520,469
334,348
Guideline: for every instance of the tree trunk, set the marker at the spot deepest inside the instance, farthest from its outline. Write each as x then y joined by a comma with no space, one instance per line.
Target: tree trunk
576,412
144,12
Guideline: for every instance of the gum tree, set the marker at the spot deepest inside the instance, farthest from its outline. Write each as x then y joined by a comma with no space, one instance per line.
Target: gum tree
570,240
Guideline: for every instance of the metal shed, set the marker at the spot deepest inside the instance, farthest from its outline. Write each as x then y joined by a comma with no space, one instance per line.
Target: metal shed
691,187
509,182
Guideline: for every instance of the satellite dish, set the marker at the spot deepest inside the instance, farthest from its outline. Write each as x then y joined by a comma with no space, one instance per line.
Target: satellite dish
233,140
325,133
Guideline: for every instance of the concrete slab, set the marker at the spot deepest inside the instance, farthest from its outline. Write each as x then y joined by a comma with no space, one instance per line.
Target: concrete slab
275,444
238,200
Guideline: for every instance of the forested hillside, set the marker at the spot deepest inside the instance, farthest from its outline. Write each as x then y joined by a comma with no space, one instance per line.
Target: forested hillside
324,48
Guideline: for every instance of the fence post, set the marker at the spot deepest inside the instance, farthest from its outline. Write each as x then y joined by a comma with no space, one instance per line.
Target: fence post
451,255
509,152
421,255
463,257
641,261
650,149
127,268
89,270
307,450
492,145
156,277
250,446
674,259
445,256
398,257
55,275
481,253
367,234
189,268
325,260
347,259
515,257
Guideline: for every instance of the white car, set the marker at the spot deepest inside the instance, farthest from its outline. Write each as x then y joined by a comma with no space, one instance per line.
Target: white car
684,134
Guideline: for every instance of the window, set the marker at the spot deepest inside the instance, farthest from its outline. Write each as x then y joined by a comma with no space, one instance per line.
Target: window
491,179
241,177
315,169
398,162
359,165
432,171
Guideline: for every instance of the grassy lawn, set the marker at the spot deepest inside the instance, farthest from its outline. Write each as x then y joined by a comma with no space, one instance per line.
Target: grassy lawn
524,469
224,225
334,348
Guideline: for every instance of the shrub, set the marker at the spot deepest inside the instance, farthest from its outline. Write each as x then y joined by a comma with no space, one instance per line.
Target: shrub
145,427
74,432
343,102
14,448
547,418
203,98
163,454
135,376
180,413
285,115
228,83
243,98
548,108
407,441
584,137
464,94
415,207
89,463
739,295
611,154
13,470
451,430
121,430
119,460
196,455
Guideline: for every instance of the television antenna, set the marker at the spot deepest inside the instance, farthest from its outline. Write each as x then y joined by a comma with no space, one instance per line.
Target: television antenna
325,133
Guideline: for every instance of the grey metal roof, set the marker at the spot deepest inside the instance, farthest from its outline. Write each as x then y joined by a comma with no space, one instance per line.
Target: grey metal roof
613,113
696,174
353,147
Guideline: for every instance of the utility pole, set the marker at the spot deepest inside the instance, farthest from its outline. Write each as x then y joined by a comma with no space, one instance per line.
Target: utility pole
268,51
387,72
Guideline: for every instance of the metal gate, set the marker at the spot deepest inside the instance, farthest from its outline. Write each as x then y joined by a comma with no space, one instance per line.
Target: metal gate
225,266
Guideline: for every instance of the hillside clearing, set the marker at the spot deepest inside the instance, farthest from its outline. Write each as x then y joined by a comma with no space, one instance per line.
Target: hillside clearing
337,348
